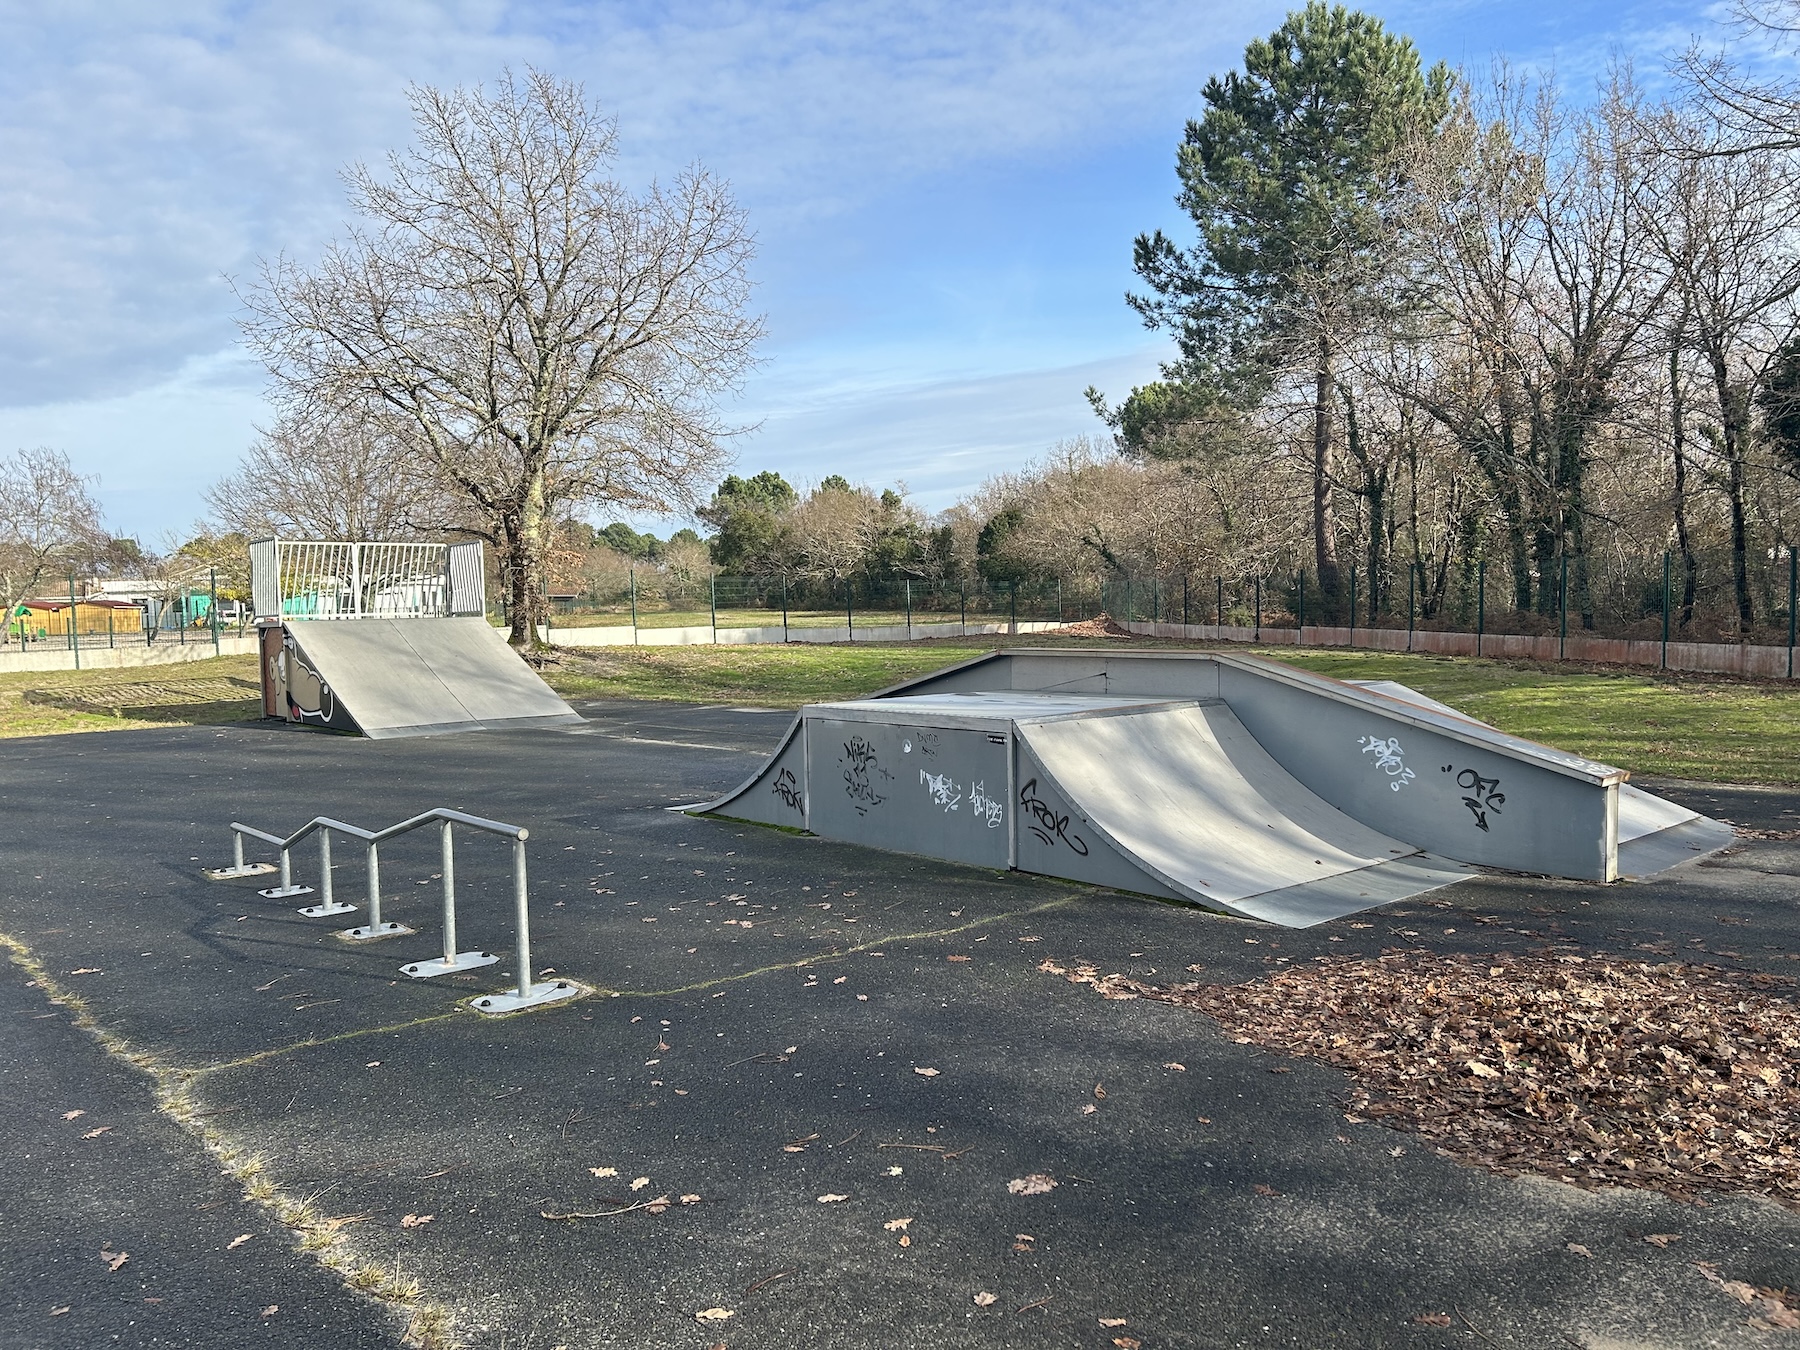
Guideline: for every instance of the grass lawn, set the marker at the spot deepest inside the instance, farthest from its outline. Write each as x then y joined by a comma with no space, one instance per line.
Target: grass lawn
1713,729
43,703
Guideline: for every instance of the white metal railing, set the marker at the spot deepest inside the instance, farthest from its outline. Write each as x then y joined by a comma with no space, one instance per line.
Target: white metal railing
347,579
526,995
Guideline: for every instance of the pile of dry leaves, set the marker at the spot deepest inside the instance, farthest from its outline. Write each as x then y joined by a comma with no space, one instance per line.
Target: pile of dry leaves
1676,1078
1101,625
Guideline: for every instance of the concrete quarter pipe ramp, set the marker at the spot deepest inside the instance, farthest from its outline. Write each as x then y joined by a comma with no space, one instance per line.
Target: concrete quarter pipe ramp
1231,782
402,677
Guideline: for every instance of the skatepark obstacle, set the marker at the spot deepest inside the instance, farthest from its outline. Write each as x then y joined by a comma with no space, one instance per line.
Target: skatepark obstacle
1227,781
388,639
526,994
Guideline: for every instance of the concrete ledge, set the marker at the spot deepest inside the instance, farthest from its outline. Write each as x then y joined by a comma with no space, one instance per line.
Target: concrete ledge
163,652
625,636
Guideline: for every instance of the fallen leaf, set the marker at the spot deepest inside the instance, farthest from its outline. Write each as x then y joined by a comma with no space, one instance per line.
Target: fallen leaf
905,1241
1433,1319
690,1199
832,1199
862,998
604,1171
840,979
88,970
896,1225
985,1299
1661,1239
895,1171
713,1314
1112,1322
1127,1342
638,1183
59,1312
926,1073
416,1220
1033,1183
956,958
1204,1120
1262,1189
1099,1093
1481,1070
1579,1250
660,1205
1089,1109
1178,1068
237,1241
71,1115
114,1259
96,1132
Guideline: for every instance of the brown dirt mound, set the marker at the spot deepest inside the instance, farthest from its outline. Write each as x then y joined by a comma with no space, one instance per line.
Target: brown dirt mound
1675,1078
1101,625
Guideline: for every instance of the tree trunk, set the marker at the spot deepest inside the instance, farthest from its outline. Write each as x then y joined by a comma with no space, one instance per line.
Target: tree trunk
1325,554
1683,539
525,545
1733,432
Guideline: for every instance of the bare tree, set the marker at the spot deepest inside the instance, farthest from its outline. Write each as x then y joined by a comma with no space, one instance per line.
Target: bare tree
49,526
542,335
335,477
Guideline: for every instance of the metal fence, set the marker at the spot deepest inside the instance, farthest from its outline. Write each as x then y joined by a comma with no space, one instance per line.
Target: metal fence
350,579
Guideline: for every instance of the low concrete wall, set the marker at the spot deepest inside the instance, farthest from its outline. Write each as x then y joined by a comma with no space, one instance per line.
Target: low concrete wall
739,637
1715,658
165,651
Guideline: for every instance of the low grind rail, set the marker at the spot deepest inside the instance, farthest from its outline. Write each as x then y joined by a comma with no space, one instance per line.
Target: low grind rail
526,995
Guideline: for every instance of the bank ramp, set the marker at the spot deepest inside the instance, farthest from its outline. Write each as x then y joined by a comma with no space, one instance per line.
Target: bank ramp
1228,781
386,678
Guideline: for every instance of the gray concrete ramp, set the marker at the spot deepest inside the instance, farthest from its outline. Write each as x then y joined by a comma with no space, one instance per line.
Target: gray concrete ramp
1187,795
411,677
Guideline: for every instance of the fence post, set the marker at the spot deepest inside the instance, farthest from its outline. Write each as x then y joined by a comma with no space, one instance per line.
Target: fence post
850,607
1259,606
212,591
1665,613
109,629
1300,618
1412,575
964,581
1059,608
712,581
74,637
909,609
1562,641
1791,590
784,608
1352,606
1013,628
1219,610
1480,602
1184,601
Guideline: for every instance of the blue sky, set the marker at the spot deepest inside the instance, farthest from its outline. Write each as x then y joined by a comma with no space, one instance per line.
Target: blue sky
944,194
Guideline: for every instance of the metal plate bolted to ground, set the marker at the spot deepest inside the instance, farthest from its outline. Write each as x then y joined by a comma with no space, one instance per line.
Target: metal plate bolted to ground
425,970
542,993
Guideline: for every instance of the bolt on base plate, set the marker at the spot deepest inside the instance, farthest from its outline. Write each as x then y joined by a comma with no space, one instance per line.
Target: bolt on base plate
424,970
321,911
228,873
374,932
283,892
543,992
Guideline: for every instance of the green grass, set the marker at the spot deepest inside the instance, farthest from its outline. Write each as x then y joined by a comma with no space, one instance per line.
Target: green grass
1682,726
189,693
1713,729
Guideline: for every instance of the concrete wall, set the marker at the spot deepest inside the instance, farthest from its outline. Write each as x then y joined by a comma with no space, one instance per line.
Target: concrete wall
1718,658
163,652
617,636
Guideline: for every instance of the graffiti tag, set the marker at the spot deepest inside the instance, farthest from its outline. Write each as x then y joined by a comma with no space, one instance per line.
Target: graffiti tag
1042,820
861,770
942,790
1388,758
987,809
787,788
1485,797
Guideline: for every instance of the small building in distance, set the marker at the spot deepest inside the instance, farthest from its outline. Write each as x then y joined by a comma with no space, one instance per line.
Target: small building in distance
43,619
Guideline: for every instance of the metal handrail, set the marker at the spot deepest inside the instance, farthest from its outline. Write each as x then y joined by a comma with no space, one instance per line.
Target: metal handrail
527,994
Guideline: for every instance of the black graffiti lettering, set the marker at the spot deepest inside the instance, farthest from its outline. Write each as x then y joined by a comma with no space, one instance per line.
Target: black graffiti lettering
861,769
788,789
1485,796
1043,821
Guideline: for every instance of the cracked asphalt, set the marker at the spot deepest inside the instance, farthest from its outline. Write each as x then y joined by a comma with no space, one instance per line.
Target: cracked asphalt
765,1009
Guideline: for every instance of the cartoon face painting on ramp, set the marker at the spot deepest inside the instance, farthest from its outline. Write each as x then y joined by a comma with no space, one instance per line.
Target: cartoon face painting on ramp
1226,781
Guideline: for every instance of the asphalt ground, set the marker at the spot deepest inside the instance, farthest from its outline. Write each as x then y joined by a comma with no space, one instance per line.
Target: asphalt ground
763,1008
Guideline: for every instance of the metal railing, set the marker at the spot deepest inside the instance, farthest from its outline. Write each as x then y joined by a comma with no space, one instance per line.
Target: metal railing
349,579
526,995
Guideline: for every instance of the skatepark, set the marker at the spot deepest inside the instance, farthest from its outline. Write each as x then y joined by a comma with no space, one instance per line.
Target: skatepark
813,1037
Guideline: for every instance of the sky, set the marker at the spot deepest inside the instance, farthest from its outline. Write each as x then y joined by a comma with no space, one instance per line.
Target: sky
944,196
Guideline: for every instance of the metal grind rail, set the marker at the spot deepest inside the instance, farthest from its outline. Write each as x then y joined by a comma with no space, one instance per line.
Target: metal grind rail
526,995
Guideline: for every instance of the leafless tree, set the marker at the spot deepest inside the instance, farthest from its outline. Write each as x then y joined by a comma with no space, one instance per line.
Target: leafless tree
545,336
50,526
336,477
